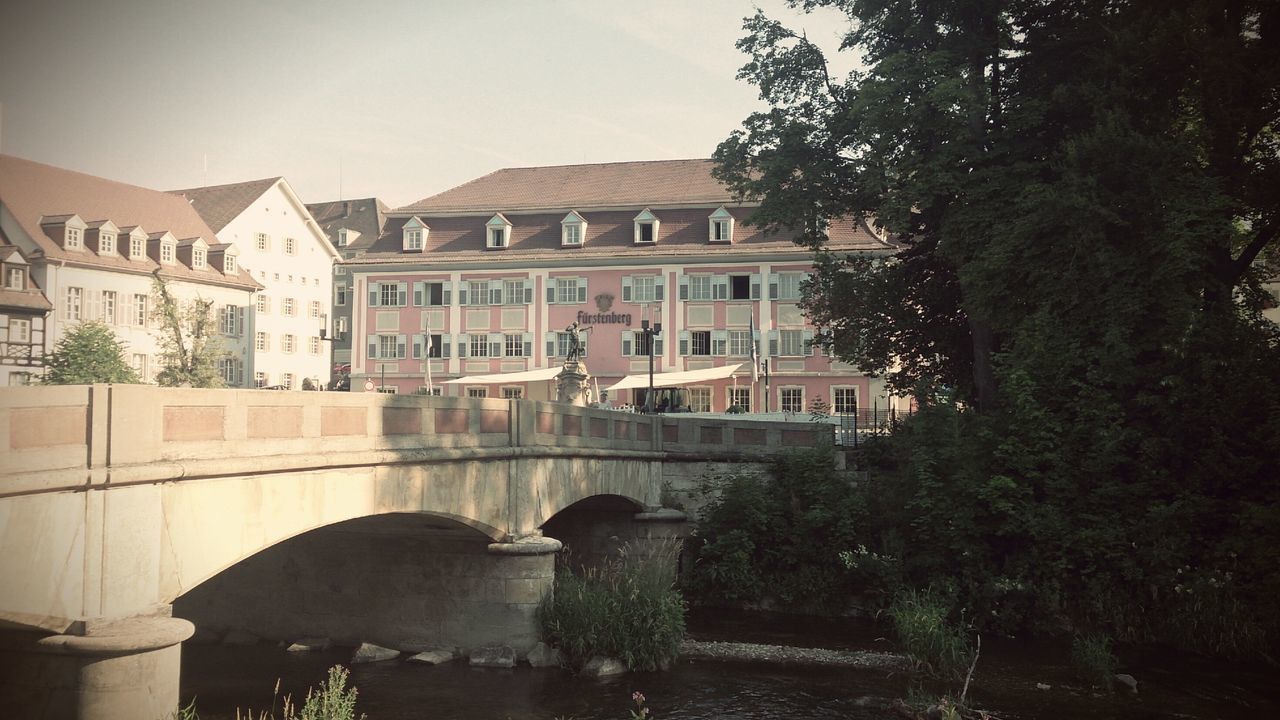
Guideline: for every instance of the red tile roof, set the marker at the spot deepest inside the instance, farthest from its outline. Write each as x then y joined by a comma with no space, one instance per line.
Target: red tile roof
576,187
220,204
35,192
32,298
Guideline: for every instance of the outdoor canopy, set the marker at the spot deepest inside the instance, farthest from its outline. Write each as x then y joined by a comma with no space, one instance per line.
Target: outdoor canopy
682,377
523,376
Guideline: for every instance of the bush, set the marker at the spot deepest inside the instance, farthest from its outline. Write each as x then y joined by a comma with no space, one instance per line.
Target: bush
936,646
1093,660
627,608
333,700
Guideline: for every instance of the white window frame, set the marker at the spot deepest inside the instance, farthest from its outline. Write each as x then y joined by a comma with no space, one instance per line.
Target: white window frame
73,239
263,304
313,309
497,235
720,226
649,283
287,307
262,341
19,330
290,246
783,393
573,230
72,303
477,391
288,343
106,243
645,218
836,405
340,295
199,258
108,306
138,361
137,248
513,345
701,287
262,241
141,309
512,392
740,343
313,345
168,252
786,285
16,278
286,380
700,392
731,400
791,339
260,379
228,264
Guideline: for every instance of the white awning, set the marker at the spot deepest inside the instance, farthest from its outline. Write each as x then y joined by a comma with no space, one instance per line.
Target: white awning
522,376
683,377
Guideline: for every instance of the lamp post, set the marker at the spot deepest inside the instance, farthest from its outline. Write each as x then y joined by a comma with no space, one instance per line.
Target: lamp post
650,332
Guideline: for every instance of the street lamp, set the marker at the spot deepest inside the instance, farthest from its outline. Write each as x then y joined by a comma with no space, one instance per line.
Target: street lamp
649,333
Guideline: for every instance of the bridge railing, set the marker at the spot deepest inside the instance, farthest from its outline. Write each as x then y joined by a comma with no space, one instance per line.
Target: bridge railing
58,438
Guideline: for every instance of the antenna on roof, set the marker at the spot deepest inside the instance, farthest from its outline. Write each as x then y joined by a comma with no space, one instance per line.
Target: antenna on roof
339,177
206,168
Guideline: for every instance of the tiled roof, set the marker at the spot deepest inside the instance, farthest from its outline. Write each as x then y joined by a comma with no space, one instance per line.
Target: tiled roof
35,192
30,299
366,216
220,204
682,233
575,187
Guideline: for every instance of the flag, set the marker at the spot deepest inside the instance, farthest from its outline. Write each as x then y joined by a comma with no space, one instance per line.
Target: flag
755,352
426,358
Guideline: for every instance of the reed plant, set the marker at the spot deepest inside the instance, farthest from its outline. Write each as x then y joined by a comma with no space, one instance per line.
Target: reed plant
937,646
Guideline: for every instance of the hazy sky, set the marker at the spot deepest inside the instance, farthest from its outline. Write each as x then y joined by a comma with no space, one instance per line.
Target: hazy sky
401,100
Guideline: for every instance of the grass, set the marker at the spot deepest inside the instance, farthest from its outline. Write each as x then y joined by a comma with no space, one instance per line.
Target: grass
936,647
1093,660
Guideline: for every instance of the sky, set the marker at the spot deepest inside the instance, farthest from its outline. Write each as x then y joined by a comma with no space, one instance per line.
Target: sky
399,100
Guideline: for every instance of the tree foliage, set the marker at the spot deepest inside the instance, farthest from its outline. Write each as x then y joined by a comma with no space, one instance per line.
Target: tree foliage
89,353
190,346
1084,199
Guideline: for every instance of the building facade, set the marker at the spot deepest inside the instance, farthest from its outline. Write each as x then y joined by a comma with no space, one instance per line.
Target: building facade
95,247
352,226
286,252
24,310
491,276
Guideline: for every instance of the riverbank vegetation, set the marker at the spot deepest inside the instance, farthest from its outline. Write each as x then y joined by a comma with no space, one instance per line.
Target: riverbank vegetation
1072,290
627,608
333,700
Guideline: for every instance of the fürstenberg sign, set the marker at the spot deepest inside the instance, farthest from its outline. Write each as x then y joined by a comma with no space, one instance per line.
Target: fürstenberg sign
605,318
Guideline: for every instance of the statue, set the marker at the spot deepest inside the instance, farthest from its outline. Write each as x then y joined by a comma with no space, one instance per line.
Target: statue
575,343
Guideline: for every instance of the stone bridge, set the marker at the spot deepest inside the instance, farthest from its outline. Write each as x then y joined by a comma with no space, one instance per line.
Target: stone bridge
283,512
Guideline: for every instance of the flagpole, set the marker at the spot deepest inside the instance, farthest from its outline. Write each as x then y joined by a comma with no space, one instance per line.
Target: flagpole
426,360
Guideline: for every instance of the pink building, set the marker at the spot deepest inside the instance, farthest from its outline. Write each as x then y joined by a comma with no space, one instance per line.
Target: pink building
487,277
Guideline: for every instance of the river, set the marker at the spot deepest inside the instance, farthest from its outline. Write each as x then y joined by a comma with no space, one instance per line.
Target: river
224,679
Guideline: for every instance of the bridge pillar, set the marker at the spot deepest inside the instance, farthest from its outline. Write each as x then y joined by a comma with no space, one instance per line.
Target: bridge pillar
525,575
118,669
662,530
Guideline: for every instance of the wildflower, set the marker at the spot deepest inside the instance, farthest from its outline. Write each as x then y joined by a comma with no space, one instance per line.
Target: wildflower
638,697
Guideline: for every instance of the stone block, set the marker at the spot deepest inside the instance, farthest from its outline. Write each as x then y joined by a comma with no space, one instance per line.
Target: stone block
183,424
543,655
572,426
451,420
599,427
401,421
310,644
368,652
601,666
343,421
271,421
546,423
433,657
494,656
494,421
524,592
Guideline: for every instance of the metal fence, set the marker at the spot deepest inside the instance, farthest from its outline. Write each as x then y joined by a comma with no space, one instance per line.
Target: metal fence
872,420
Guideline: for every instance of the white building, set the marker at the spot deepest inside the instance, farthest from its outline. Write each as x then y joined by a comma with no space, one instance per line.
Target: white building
95,245
287,252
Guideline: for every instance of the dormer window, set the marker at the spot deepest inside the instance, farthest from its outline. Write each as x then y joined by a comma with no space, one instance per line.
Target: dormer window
499,232
573,230
106,243
15,278
413,236
199,260
137,248
646,227
720,226
167,252
135,239
74,238
344,238
228,264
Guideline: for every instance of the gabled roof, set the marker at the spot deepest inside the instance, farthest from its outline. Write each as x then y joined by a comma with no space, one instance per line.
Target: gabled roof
607,185
33,298
367,216
220,204
34,193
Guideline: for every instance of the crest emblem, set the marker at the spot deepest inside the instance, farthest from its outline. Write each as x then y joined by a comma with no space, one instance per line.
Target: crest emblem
604,301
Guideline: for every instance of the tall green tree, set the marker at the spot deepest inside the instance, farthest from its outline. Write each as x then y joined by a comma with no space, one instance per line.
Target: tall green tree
190,345
1081,191
88,353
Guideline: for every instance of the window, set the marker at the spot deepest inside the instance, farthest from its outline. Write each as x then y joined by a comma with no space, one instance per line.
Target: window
19,330
390,347
563,341
71,299
640,343
433,391
845,399
786,286
478,292
720,226
512,392
646,227
140,310
342,238
700,399
16,278
313,345
700,342
513,292
229,319
478,346
108,307
264,303
137,248
339,270
431,293
499,231
286,381
390,294
413,239
740,287
791,343
166,252
139,364
106,243
313,309
740,397
262,341
514,345
286,307
73,238
260,379
262,241
699,287
568,291
573,228
641,289
229,369
199,259
435,346
288,343
791,399
340,295
477,392
290,246
229,264
19,379
740,342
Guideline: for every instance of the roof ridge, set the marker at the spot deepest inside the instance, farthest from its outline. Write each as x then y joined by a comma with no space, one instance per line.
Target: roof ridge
599,164
96,178
226,185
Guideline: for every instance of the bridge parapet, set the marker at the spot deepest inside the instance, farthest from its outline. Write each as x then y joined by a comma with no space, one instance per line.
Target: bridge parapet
60,438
